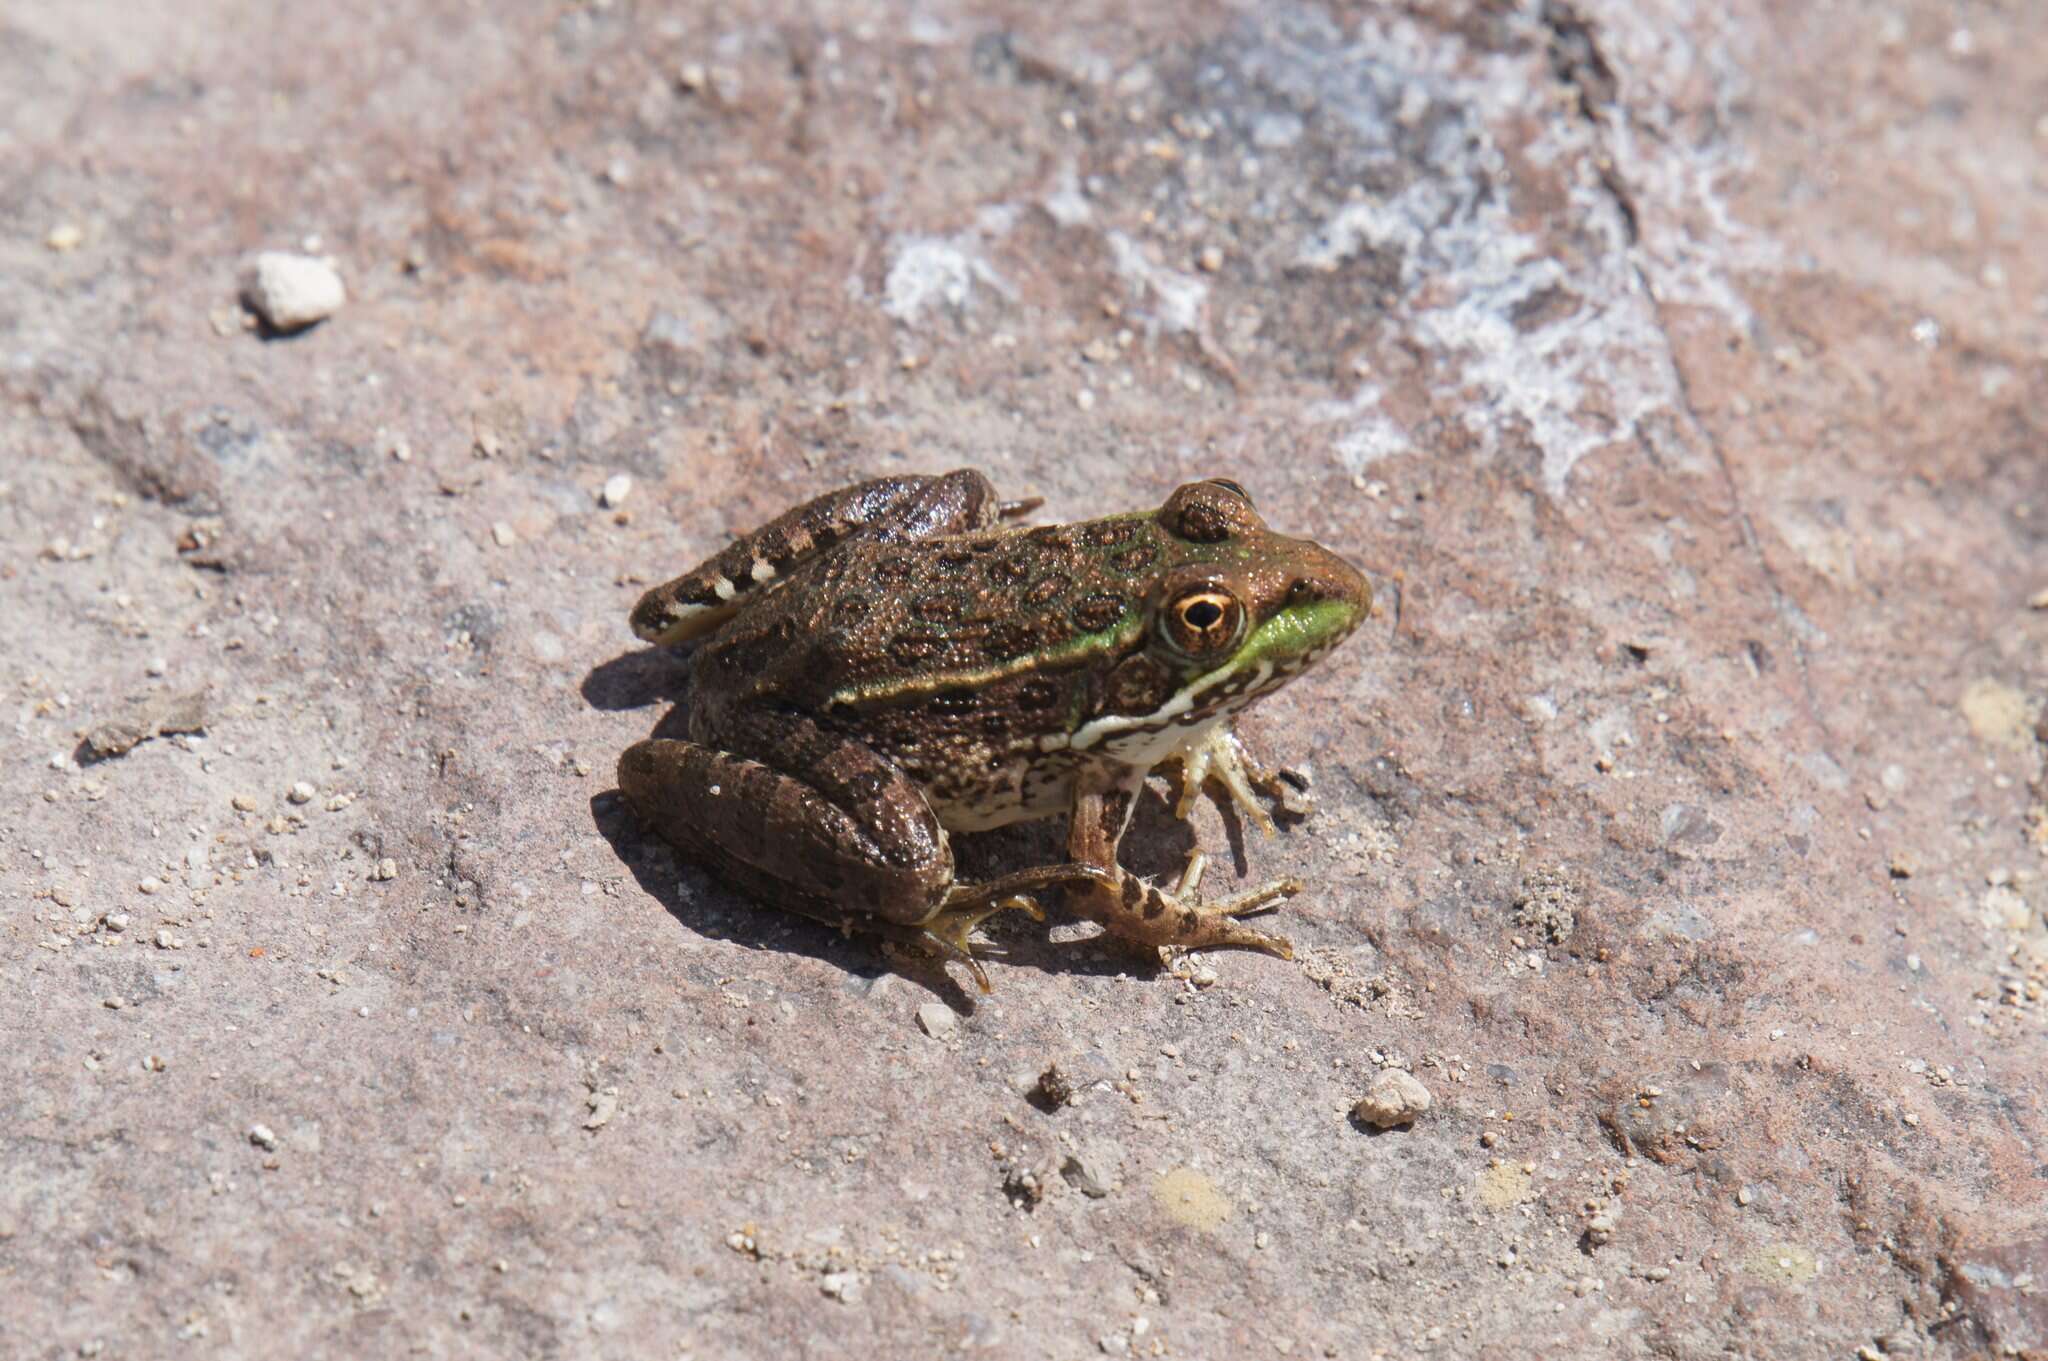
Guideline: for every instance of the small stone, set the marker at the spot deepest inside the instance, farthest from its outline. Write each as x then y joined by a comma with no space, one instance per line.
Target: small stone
2038,600
165,940
301,792
156,666
243,803
263,1136
692,76
384,870
114,1003
840,1285
65,237
1903,866
291,292
150,885
1211,259
1395,1098
616,489
1091,1171
503,535
117,922
936,1019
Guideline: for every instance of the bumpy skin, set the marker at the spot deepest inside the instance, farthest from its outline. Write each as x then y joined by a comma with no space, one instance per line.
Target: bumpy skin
889,662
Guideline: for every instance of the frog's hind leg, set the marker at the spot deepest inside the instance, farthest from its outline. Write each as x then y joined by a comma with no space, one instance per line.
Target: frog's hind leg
915,507
796,841
967,906
1138,911
851,841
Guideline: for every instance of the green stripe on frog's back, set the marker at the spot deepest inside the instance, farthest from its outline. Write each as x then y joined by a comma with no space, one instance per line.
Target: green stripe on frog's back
1072,652
1046,599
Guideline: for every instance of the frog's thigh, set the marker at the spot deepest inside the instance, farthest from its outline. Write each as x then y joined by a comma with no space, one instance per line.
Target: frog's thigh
774,830
916,507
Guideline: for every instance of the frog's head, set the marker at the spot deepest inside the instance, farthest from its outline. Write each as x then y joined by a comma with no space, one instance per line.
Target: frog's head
1248,609
1234,612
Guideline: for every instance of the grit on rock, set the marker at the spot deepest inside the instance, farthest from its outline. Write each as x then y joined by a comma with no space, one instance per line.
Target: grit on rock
1675,370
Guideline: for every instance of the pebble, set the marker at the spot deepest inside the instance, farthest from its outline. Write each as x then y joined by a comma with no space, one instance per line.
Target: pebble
157,666
301,792
244,803
1091,1171
384,870
503,535
263,1136
936,1019
2038,600
1395,1098
117,922
150,885
291,292
65,236
617,488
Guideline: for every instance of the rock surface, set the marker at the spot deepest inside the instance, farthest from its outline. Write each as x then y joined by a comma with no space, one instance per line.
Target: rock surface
1677,370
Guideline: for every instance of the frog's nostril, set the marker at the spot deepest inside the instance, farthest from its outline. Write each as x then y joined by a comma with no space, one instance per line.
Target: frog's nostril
1303,591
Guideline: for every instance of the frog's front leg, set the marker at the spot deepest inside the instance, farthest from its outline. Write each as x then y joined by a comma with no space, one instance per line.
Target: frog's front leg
851,842
1135,910
1223,757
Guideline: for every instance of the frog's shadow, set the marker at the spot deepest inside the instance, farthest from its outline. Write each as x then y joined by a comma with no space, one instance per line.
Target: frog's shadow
1156,845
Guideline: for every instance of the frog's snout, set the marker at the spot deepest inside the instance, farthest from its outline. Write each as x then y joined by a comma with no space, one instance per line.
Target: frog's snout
1323,578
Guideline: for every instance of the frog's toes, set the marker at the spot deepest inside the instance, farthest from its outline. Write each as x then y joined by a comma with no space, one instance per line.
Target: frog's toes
1222,757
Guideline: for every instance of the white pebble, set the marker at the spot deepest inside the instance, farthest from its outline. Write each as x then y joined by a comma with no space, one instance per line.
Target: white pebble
65,236
291,292
301,793
617,488
502,534
263,1136
936,1019
150,885
1395,1098
157,666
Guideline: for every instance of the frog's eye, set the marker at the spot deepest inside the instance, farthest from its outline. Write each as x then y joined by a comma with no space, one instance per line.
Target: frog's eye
1203,621
1209,512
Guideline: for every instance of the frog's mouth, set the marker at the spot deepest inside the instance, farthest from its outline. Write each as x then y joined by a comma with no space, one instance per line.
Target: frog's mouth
1285,644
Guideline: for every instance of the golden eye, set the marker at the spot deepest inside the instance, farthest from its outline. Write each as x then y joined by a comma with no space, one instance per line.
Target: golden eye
1204,620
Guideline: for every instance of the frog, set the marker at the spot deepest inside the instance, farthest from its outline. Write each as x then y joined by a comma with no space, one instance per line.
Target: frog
900,660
